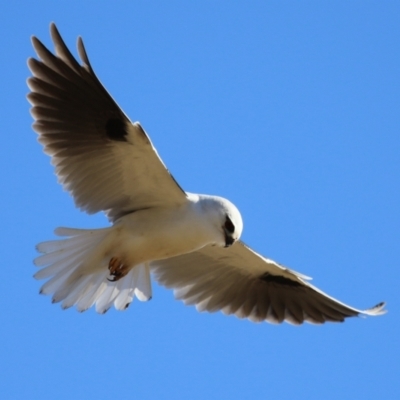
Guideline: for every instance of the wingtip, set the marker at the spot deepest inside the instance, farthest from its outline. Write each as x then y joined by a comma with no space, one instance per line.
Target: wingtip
37,45
376,310
53,28
82,53
33,39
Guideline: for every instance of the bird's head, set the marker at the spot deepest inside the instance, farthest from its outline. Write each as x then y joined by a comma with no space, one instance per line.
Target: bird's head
225,218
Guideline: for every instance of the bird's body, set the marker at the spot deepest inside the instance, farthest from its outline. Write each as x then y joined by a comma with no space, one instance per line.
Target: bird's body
133,242
187,241
163,232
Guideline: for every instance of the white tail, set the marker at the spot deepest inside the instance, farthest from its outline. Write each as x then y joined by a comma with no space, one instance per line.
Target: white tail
78,272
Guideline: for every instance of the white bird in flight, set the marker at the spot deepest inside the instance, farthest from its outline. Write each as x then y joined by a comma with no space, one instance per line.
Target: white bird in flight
188,242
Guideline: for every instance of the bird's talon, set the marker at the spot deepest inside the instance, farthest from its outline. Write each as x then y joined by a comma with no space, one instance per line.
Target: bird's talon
117,269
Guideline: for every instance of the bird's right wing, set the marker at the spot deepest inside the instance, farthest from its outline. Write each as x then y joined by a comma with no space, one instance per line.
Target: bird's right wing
103,159
237,280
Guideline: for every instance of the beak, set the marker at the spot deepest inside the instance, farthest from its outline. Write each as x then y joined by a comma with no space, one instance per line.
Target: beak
229,240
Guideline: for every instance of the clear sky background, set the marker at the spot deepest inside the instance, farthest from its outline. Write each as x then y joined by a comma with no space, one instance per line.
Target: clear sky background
289,109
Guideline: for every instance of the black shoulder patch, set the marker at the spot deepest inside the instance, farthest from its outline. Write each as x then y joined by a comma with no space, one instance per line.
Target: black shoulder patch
116,129
279,280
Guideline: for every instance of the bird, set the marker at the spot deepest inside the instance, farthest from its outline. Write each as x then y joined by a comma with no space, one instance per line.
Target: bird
184,241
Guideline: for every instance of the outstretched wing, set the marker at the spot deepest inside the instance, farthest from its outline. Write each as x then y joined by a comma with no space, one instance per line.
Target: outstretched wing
103,159
239,281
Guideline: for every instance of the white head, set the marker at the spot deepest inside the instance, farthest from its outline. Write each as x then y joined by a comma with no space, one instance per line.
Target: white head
225,216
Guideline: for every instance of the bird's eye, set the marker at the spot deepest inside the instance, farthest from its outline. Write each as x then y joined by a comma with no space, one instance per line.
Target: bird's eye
229,225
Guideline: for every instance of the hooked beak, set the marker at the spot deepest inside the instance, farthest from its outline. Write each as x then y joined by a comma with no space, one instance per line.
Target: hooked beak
229,240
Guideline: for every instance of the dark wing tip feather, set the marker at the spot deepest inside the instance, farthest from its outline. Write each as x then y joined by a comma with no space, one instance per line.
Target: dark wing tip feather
376,310
62,50
82,53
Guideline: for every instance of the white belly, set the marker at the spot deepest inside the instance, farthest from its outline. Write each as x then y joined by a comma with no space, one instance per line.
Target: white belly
155,234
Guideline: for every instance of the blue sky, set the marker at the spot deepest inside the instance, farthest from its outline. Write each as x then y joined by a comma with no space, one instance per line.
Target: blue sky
289,109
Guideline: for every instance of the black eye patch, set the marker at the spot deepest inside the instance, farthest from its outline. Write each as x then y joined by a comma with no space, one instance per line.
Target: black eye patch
229,225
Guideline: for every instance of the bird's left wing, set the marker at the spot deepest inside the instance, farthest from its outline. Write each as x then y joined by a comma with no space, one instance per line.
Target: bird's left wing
237,280
103,159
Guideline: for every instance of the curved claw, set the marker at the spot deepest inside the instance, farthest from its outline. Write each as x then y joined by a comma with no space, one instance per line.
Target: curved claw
117,269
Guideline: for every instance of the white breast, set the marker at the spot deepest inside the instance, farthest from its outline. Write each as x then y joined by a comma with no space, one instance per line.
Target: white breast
160,233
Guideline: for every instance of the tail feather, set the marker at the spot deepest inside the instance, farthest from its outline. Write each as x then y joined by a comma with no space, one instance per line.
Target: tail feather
126,294
78,270
77,292
56,281
143,283
121,292
105,301
74,239
57,266
94,289
57,249
66,252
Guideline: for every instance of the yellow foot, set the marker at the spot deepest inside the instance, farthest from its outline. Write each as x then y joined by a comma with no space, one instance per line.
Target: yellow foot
117,269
